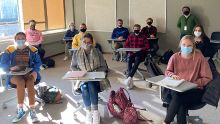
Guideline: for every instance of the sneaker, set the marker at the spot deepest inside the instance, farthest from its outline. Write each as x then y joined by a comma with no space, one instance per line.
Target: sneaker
65,58
129,83
33,116
88,117
96,117
20,114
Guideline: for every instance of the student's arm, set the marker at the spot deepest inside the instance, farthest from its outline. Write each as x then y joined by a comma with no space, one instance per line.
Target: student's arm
127,43
40,38
205,74
114,34
5,61
36,62
196,21
170,67
179,23
75,42
103,65
125,36
73,65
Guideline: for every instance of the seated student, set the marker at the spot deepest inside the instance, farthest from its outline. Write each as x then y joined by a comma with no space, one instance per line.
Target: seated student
17,56
149,30
34,37
202,42
135,40
77,38
120,33
188,64
90,59
70,33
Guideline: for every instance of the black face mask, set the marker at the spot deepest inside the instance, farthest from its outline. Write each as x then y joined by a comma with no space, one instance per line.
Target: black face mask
136,31
83,30
186,13
149,23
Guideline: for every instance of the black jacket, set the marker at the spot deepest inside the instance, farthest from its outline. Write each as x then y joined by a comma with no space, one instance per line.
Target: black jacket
212,92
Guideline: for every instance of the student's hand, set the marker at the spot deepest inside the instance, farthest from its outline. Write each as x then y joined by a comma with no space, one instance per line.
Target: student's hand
120,38
176,77
152,36
14,68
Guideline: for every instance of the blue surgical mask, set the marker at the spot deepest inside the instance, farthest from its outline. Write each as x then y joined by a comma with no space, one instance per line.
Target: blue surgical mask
186,50
20,43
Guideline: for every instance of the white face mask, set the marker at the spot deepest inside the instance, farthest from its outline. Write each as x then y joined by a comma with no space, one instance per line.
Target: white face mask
197,33
86,46
20,43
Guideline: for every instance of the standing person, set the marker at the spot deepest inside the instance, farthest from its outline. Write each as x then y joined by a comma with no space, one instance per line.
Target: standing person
120,33
70,33
135,40
202,42
90,59
77,38
35,38
149,30
186,22
14,58
190,65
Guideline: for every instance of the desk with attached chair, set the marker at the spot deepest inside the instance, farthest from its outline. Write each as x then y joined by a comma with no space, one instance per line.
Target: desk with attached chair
89,76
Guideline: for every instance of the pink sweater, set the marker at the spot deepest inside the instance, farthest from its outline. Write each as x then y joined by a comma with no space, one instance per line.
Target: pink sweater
196,71
34,37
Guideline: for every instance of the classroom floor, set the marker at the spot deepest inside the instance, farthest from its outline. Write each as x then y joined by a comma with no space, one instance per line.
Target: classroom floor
141,96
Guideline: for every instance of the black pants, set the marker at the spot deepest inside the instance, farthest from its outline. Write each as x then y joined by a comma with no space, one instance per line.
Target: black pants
41,52
180,102
134,61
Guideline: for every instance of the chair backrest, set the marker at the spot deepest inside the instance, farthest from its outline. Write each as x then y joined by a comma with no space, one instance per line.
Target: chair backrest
196,107
215,36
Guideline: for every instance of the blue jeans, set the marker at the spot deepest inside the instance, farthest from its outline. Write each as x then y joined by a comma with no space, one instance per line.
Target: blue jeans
90,94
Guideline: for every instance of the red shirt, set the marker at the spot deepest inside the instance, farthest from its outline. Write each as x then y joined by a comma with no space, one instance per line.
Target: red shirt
137,41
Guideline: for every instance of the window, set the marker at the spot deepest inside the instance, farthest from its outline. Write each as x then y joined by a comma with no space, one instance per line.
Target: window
9,18
49,14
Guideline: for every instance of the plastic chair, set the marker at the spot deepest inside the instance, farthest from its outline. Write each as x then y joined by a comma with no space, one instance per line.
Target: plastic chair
13,87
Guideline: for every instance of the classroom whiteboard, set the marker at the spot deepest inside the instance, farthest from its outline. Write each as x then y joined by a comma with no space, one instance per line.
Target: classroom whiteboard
100,15
140,10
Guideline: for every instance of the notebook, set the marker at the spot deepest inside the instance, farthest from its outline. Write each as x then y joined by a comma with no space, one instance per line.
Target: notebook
171,82
74,74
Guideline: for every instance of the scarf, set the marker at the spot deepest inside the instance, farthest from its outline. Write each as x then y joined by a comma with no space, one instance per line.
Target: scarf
88,62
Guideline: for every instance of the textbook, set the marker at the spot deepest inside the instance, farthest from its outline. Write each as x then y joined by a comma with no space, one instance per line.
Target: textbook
171,82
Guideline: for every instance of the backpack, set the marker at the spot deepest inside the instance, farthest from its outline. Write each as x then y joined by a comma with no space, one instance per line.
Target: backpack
118,102
120,106
166,56
50,63
49,94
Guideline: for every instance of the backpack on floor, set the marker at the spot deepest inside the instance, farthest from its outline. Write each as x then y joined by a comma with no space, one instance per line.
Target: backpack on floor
50,63
166,57
49,94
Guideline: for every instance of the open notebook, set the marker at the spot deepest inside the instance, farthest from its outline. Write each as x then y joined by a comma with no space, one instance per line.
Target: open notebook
171,82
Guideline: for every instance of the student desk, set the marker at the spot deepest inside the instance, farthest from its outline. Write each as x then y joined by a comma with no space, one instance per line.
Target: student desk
181,88
121,50
89,76
112,43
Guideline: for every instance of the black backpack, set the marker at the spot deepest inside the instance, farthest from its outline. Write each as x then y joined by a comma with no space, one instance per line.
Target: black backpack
50,63
166,56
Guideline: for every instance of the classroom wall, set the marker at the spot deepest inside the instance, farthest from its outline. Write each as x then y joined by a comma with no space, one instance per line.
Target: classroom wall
205,10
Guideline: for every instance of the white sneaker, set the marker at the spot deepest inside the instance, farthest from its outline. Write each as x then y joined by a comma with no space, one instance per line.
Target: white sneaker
96,117
65,58
88,117
129,83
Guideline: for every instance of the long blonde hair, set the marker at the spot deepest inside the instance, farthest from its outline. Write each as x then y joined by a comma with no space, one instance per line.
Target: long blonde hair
191,38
